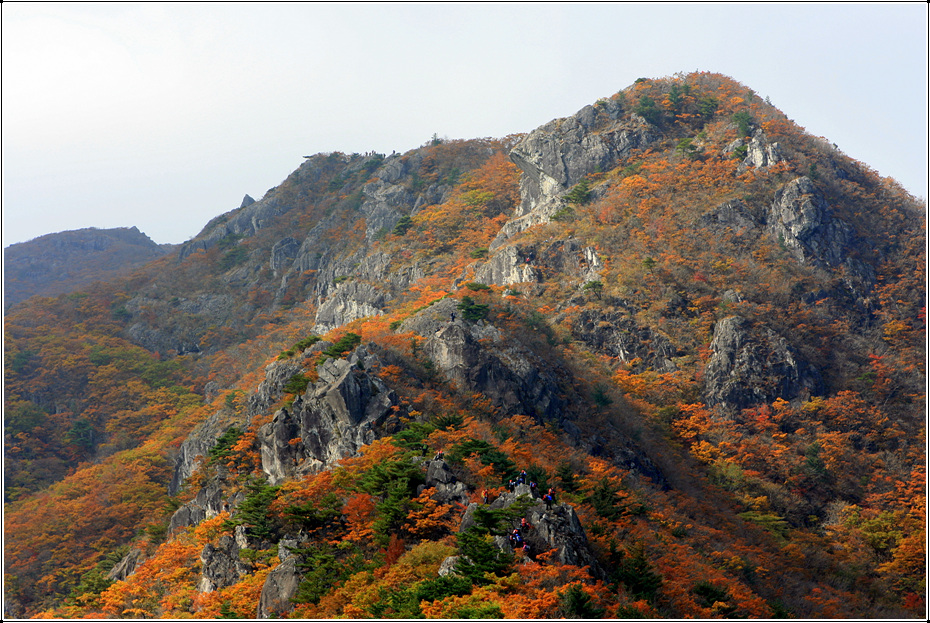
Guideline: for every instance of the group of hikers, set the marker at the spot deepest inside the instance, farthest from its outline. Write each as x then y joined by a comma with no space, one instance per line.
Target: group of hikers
548,497
517,541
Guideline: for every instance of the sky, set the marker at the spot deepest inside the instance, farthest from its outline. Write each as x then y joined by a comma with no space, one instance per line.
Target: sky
164,115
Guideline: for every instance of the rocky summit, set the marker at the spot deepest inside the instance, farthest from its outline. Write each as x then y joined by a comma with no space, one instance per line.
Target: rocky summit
662,358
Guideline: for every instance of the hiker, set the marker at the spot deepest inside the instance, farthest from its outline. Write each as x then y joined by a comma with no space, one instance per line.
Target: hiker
524,524
452,317
439,455
548,500
521,479
533,490
484,496
511,485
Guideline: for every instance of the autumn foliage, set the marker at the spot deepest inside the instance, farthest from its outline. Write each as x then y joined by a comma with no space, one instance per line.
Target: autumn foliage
807,506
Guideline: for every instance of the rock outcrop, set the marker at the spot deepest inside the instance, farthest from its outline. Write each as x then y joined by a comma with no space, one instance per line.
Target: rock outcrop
350,301
616,333
750,366
127,566
802,221
556,529
516,263
445,487
221,565
476,358
733,219
344,410
557,155
279,587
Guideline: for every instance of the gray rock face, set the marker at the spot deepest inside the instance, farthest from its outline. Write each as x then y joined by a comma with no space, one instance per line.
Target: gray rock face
384,205
557,528
127,566
335,417
616,334
474,356
760,153
749,367
445,487
506,267
221,565
801,220
732,218
280,586
528,264
210,501
557,155
350,301
283,253
198,444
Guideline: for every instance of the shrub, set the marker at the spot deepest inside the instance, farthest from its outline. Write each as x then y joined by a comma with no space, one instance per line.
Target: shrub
574,603
742,120
254,511
346,344
579,194
480,556
233,257
563,215
472,311
648,110
595,287
402,226
225,443
740,152
635,573
487,454
297,384
324,566
476,287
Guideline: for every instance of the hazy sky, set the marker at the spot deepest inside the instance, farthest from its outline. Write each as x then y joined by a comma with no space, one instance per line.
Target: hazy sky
164,115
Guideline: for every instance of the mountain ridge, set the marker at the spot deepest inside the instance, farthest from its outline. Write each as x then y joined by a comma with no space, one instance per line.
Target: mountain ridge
66,261
656,294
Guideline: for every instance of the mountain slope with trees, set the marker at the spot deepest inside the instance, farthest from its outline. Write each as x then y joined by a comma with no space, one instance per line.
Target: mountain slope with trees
316,406
70,260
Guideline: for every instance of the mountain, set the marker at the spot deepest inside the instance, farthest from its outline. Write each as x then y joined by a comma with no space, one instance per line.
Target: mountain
70,260
700,327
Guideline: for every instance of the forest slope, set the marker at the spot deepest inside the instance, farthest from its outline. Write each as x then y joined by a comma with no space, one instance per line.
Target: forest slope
641,305
70,260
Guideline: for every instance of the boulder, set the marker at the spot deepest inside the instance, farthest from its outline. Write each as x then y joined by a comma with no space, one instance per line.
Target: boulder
279,587
127,566
221,565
